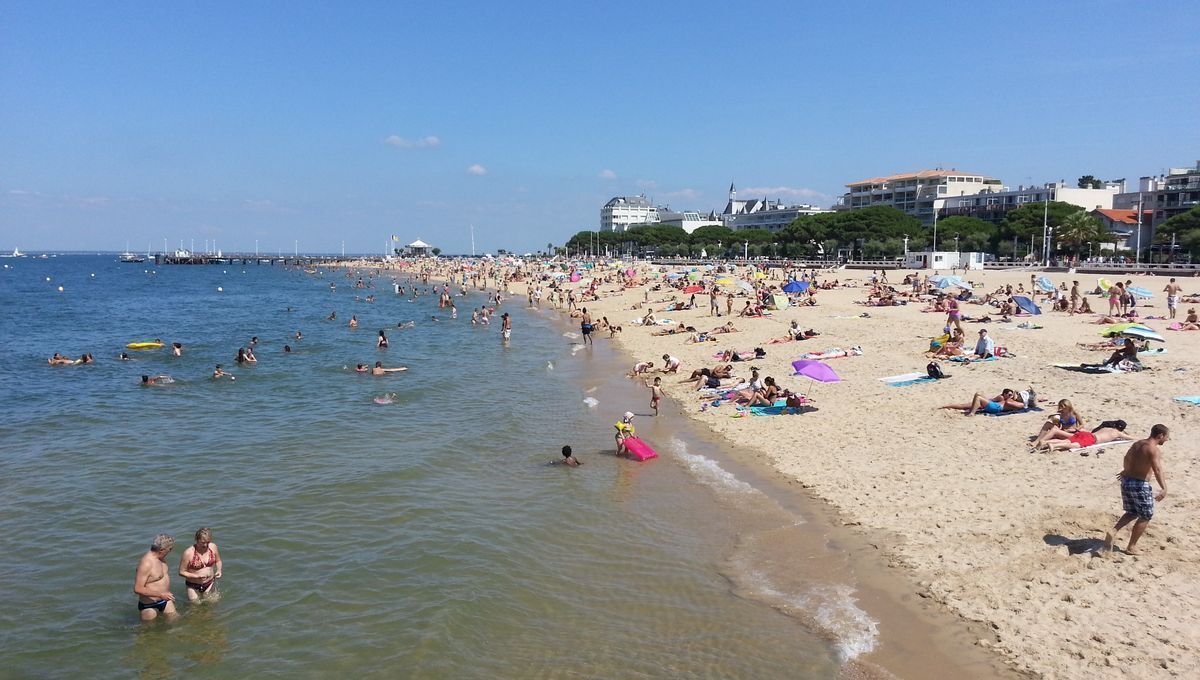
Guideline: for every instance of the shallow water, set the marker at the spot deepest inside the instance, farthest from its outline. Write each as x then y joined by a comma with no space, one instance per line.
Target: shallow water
422,538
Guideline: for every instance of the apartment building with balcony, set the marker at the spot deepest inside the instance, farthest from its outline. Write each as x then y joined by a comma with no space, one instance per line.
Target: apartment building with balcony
994,202
917,193
1165,196
622,212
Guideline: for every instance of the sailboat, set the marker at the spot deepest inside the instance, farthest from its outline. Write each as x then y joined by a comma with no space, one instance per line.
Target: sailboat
16,253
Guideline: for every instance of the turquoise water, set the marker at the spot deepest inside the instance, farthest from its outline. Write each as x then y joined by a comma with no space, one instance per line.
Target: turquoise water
423,538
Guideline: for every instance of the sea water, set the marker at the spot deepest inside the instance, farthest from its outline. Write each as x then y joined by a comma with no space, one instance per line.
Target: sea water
426,537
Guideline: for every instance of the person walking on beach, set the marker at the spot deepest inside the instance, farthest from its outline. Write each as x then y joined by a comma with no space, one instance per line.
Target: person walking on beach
200,565
152,583
1074,296
656,394
1137,495
1173,291
505,327
714,304
585,327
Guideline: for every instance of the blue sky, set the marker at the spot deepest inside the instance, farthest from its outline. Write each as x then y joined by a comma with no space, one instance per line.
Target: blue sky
353,121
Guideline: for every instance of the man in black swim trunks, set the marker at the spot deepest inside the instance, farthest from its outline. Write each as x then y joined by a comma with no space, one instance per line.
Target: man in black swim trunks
152,582
585,326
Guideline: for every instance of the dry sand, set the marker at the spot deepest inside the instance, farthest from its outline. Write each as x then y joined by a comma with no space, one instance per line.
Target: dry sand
997,533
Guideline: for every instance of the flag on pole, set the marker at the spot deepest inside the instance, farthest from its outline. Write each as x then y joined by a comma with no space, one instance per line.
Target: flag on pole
395,237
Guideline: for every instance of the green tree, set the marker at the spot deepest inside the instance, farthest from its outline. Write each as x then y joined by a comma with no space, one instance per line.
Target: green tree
974,234
435,251
1078,230
712,234
1026,221
1089,182
1184,228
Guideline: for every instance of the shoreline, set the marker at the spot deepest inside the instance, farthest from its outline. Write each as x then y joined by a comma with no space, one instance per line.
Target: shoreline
995,534
916,637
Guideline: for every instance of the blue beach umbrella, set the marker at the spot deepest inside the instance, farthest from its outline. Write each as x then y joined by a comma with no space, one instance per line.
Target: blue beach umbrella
1027,304
795,286
1140,292
1142,333
1045,284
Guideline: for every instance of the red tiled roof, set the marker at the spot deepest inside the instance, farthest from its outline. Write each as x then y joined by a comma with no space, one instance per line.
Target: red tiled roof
1125,216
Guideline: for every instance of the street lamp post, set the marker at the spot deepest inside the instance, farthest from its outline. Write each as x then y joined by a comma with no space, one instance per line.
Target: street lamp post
718,255
746,250
906,246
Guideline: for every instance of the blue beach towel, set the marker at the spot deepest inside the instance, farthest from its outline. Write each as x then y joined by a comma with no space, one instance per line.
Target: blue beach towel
914,381
965,360
1189,400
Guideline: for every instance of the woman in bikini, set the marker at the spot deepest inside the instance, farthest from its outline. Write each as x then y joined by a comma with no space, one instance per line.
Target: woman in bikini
1061,425
200,565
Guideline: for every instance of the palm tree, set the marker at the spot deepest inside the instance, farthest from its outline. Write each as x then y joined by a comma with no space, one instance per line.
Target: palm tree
1079,229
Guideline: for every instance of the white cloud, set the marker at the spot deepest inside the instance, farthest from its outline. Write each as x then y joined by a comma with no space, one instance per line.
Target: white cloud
18,192
477,169
646,183
422,143
793,192
607,174
684,194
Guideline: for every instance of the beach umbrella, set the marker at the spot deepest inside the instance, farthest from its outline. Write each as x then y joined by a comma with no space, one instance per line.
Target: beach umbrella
575,276
630,273
795,286
746,286
674,275
1117,329
759,275
1140,292
1142,333
724,282
1104,284
821,372
1027,304
693,289
944,282
1045,284
693,276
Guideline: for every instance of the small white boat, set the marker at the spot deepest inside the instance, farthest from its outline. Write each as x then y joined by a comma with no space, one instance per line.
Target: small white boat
16,253
131,257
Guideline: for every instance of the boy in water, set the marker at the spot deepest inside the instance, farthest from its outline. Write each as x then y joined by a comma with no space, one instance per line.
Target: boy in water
656,394
568,459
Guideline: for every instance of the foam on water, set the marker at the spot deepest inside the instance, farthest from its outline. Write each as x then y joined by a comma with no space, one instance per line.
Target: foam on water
591,402
708,471
833,608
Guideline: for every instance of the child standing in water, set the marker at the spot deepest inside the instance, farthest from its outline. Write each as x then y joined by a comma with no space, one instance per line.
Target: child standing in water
656,394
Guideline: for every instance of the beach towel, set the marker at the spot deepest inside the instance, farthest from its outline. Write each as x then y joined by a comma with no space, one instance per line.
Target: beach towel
903,377
834,353
914,381
1009,413
1189,400
1090,369
781,301
965,360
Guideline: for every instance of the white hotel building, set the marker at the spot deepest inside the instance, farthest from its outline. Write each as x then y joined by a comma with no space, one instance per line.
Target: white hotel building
916,193
994,203
762,213
622,212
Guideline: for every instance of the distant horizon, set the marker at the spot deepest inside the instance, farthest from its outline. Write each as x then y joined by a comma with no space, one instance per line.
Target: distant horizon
327,123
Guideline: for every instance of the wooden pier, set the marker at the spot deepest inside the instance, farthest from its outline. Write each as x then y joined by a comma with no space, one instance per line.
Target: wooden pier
294,260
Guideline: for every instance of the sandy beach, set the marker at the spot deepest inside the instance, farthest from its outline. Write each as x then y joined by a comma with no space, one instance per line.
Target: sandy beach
997,533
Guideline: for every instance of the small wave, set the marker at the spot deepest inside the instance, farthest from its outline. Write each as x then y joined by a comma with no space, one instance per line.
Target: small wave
834,609
707,470
570,335
575,348
591,402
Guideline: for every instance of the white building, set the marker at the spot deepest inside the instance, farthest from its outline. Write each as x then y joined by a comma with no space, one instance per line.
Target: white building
916,193
762,213
621,212
994,202
688,220
943,260
1165,196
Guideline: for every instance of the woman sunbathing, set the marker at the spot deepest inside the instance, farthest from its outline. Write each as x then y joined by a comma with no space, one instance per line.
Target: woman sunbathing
1083,439
1190,323
1008,400
1062,425
727,328
681,328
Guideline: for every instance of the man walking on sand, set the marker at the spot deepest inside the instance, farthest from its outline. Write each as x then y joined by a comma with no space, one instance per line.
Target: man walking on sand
1173,290
1137,496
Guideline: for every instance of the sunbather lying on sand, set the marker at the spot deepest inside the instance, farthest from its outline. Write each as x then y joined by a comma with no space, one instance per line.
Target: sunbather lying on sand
1084,439
1008,400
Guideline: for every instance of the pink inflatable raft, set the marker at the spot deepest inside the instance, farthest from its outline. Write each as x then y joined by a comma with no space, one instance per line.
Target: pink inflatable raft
639,449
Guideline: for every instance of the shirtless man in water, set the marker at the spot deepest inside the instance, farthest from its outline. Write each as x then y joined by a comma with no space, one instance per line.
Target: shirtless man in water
152,583
1137,496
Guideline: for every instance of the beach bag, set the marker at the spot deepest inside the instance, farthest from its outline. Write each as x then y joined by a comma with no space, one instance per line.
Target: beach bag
934,369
